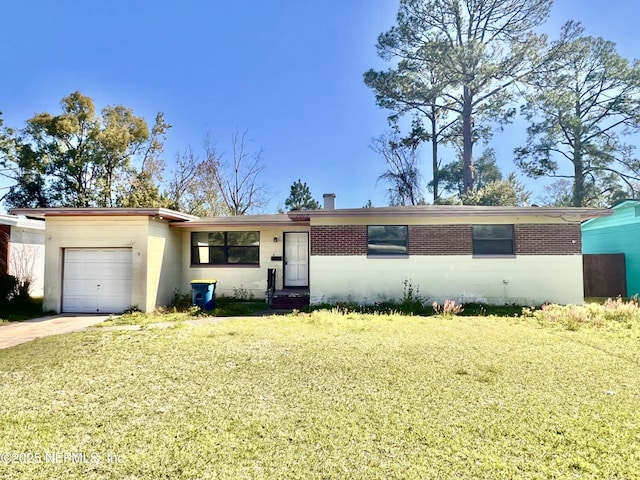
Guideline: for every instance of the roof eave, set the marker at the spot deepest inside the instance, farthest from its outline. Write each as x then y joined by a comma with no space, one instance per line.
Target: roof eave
21,222
464,211
162,213
239,221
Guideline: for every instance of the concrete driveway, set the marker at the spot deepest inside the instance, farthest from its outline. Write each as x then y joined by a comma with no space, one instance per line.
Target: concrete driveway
21,332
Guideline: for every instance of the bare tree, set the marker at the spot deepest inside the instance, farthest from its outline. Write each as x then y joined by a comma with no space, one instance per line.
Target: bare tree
22,262
238,179
402,172
191,189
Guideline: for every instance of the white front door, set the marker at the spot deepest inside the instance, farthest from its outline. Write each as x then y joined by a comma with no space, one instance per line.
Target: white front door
296,259
96,280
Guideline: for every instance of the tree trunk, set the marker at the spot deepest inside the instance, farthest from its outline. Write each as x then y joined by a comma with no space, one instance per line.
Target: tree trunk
467,142
578,194
434,153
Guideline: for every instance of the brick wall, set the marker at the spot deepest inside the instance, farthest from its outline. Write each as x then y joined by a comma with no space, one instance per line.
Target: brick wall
540,239
339,240
530,239
440,240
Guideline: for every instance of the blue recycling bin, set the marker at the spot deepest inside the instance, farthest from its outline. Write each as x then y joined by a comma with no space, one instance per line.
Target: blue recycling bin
203,294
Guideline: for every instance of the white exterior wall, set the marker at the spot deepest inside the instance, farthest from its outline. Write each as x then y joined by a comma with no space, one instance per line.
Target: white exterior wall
523,280
95,232
251,278
26,252
520,279
163,265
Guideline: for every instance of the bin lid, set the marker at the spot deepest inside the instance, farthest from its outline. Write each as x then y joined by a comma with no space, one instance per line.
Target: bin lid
209,280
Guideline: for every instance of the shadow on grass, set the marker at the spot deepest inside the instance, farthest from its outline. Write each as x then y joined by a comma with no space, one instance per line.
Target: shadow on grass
231,307
20,309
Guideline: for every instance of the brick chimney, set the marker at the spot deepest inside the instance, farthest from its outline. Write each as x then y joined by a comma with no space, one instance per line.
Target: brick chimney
329,201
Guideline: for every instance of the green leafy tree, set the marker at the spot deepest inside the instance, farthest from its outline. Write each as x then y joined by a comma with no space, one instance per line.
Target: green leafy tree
580,110
191,189
300,198
77,158
7,159
490,187
487,171
508,192
142,191
58,158
121,136
464,57
7,149
141,188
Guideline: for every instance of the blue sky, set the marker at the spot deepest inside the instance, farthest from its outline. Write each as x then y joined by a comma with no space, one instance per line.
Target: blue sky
289,71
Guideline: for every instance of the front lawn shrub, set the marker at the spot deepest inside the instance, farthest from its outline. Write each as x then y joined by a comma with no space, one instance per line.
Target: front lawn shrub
411,301
572,317
621,311
8,287
181,301
448,309
242,294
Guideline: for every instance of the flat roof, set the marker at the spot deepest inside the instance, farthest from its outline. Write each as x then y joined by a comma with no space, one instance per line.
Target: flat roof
303,217
164,213
461,211
243,220
16,221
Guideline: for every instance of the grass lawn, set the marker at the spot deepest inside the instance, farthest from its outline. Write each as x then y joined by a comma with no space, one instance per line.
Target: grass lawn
325,396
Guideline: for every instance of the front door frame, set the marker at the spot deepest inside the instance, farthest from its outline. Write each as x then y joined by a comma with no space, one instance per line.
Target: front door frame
284,260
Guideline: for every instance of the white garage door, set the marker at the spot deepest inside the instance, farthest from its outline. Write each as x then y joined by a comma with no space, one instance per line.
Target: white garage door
96,280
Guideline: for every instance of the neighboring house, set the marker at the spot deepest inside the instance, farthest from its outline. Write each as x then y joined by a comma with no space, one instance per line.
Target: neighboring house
22,250
101,260
612,251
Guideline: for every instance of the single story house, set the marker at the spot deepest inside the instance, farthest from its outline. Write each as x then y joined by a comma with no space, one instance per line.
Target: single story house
22,250
110,259
611,246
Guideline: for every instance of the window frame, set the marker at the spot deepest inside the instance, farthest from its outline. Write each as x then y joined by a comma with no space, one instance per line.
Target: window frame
475,242
389,254
225,248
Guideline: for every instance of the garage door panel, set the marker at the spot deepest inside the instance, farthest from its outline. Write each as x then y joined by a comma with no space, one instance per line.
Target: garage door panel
72,287
97,280
113,304
80,304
